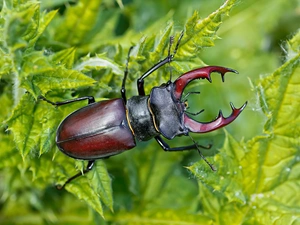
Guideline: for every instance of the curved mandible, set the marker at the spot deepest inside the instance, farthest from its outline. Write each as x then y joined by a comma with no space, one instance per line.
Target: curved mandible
181,82
220,121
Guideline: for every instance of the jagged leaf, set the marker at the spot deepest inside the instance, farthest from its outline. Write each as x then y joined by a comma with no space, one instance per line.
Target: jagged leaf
78,21
64,57
201,33
21,25
99,62
22,121
44,21
96,190
163,217
55,78
258,181
5,63
294,44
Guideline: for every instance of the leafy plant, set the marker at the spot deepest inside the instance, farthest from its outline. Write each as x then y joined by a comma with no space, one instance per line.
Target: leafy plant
258,182
81,50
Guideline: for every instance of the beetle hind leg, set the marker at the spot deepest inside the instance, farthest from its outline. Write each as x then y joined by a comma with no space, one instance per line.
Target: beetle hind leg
88,168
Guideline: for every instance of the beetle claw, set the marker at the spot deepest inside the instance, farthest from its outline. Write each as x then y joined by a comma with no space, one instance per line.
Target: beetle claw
204,73
219,122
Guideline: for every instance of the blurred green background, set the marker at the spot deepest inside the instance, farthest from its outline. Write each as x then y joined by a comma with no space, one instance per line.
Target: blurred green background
252,41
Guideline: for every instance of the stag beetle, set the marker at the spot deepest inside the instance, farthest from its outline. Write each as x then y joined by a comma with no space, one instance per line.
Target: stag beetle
106,128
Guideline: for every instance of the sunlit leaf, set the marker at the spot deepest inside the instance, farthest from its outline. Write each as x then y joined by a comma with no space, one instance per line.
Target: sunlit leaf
260,178
201,33
22,122
95,191
67,49
77,22
64,57
99,62
162,217
55,78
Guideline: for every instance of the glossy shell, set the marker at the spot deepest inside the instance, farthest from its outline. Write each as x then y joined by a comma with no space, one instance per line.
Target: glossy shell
98,130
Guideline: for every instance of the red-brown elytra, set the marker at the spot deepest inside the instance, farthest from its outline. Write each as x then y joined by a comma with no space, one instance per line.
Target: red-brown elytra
106,128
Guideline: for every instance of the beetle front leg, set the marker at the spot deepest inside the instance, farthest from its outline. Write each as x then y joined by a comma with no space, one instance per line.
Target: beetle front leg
88,168
168,59
90,99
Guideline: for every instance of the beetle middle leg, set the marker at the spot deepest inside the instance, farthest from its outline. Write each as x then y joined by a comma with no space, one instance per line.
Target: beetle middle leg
195,146
166,147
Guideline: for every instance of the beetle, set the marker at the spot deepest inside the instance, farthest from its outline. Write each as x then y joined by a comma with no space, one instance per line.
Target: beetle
106,128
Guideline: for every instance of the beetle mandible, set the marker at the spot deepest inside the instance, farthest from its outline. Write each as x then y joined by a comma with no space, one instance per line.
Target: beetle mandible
106,128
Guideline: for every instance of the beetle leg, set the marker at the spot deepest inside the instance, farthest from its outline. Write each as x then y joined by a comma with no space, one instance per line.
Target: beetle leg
168,59
202,156
88,168
166,147
90,99
195,146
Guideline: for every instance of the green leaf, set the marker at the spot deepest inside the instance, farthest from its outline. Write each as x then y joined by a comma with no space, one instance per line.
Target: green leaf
201,33
258,181
78,21
22,122
5,63
55,78
294,44
42,74
44,21
64,57
33,120
162,217
99,62
96,190
197,35
61,55
21,25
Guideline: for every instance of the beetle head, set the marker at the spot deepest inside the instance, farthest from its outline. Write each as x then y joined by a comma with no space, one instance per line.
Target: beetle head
204,73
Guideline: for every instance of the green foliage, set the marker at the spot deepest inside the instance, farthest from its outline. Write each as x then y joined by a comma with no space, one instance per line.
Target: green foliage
62,49
258,181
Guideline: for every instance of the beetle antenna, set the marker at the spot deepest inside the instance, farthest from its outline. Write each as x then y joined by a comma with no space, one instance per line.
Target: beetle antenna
189,93
178,42
202,156
195,114
123,89
169,55
170,45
